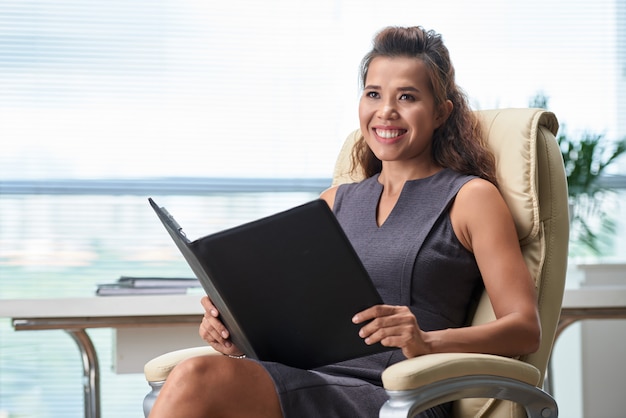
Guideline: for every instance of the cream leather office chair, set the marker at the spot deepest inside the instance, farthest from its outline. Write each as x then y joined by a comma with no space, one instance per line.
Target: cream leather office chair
532,179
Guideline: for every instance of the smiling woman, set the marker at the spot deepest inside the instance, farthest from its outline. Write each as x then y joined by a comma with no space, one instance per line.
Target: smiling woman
397,108
143,90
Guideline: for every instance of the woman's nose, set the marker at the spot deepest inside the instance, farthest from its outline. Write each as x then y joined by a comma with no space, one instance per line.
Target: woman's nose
388,111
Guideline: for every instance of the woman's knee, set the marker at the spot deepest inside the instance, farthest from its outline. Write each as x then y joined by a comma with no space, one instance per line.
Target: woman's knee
223,385
197,369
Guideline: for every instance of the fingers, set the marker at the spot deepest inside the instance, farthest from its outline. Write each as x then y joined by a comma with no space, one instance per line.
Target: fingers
211,326
213,331
208,306
375,311
390,336
391,326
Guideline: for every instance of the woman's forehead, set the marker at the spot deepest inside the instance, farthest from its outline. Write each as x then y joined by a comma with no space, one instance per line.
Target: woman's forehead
397,69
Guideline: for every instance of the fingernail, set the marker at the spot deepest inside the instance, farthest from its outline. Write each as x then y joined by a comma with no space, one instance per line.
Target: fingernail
355,319
214,312
224,334
227,344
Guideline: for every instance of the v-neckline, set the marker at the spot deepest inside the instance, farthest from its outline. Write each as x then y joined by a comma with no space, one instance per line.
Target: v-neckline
379,196
381,189
381,223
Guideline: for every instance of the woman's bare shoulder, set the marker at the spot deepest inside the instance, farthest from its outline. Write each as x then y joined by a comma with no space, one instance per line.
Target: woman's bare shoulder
479,209
328,195
478,193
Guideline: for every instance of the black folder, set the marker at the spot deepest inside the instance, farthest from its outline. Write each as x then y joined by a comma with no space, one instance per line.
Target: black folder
287,285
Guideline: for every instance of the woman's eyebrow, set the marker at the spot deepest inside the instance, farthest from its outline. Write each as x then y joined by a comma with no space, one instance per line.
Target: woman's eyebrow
410,89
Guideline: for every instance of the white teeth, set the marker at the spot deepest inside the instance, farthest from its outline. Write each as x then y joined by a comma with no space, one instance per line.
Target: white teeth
389,133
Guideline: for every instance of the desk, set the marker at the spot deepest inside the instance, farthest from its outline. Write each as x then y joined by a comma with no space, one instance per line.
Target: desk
600,302
76,315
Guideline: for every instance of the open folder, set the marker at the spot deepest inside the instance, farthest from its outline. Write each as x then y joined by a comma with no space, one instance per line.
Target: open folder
286,286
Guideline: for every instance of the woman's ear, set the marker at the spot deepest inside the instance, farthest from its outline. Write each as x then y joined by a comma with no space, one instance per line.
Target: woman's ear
444,112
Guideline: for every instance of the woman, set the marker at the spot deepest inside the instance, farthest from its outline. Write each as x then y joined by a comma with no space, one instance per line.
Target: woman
431,228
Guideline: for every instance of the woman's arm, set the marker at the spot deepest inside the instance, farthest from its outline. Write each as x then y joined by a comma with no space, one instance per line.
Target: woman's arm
484,224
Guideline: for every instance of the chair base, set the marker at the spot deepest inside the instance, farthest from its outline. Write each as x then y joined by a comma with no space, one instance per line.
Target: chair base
150,398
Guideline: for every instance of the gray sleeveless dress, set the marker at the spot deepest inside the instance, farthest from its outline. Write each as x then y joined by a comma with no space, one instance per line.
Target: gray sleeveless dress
414,259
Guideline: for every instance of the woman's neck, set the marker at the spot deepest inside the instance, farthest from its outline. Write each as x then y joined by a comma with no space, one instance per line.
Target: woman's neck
393,176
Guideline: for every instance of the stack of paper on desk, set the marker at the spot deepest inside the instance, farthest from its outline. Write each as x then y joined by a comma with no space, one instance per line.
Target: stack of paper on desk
127,285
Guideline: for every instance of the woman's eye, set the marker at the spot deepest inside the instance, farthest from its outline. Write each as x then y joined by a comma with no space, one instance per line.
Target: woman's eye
407,97
372,94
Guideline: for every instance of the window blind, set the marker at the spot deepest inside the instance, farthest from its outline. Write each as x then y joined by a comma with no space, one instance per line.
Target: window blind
180,89
96,89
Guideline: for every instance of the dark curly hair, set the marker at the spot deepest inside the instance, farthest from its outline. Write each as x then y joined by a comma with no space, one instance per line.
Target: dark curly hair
458,144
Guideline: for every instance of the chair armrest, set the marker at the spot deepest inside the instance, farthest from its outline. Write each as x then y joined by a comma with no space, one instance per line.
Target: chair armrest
157,369
420,371
417,384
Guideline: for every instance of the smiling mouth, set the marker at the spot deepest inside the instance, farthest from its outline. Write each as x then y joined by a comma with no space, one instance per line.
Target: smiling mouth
389,133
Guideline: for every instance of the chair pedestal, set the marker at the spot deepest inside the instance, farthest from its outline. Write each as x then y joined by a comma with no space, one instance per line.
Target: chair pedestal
150,398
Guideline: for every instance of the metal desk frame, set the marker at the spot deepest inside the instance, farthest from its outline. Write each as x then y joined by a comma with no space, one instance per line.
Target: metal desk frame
129,312
76,328
585,304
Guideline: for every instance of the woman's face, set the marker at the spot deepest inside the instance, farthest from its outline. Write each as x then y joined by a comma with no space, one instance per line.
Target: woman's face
397,110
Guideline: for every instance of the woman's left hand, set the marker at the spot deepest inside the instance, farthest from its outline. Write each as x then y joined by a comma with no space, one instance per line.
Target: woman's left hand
392,326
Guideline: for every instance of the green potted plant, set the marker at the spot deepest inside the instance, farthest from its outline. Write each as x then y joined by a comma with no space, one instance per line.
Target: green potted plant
586,160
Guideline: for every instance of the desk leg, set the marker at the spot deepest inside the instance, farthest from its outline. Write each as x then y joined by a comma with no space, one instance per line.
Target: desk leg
548,385
91,372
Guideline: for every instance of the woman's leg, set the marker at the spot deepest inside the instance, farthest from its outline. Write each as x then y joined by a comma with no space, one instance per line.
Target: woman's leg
217,386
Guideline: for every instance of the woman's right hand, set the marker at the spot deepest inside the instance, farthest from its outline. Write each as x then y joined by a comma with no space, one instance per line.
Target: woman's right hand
213,331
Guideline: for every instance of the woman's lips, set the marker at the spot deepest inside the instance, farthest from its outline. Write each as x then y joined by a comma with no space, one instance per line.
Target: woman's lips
389,135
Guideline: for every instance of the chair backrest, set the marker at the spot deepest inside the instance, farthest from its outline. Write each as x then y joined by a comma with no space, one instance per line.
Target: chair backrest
532,181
